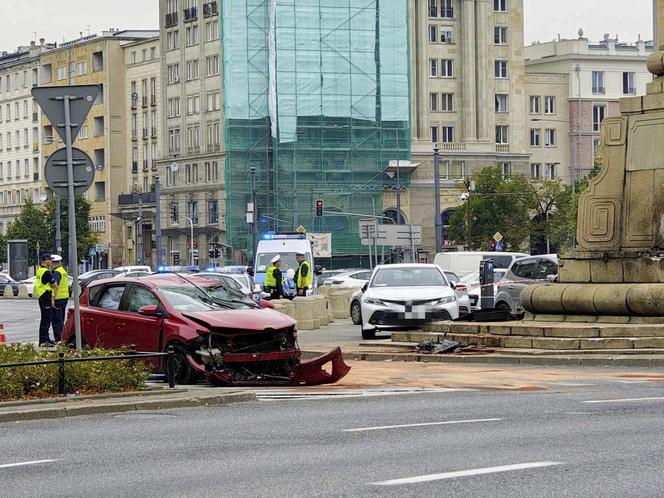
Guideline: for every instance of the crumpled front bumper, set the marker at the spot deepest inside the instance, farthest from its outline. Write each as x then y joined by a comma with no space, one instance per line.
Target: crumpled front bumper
306,373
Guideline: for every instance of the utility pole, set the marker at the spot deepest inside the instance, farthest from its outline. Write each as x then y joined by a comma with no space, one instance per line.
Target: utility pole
255,214
158,221
191,240
139,230
296,215
58,231
436,195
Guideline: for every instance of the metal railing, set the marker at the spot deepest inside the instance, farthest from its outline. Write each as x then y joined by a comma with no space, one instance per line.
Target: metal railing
62,361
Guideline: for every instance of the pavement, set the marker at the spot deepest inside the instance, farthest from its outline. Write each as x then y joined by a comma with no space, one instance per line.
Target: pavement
602,439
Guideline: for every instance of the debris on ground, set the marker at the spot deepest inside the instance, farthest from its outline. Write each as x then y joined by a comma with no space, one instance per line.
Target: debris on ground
444,346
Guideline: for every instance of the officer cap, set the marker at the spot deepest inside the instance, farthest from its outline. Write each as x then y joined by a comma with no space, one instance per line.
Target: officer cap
45,257
56,258
300,253
276,258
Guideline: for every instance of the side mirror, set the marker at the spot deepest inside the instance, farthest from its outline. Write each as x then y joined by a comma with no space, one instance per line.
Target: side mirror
552,278
365,287
318,270
150,310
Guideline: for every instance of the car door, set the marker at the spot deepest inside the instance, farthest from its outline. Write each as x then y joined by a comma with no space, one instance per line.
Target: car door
101,319
524,273
546,267
142,331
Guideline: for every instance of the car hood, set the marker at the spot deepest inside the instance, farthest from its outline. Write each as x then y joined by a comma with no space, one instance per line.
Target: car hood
411,293
249,319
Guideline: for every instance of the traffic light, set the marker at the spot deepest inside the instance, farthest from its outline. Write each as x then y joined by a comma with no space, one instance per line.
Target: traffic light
217,253
319,207
211,253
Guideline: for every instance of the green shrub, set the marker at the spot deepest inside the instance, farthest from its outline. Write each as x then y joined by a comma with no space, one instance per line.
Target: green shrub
91,377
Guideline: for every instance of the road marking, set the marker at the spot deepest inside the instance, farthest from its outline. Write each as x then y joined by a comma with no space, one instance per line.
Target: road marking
353,393
571,384
426,424
625,400
23,464
465,473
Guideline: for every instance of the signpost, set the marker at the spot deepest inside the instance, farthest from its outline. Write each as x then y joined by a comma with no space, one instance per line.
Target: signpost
322,244
500,245
66,107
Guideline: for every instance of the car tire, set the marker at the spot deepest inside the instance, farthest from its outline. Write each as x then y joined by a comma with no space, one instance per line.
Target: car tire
356,313
184,373
367,335
504,306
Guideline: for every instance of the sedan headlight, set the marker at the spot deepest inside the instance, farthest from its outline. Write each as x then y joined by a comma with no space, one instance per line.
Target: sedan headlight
371,300
446,300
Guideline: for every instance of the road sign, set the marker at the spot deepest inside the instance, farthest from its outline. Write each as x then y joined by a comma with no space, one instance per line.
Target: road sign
322,244
100,247
498,237
391,235
55,171
301,229
81,100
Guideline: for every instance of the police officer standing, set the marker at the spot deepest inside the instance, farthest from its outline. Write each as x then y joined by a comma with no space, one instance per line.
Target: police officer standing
274,280
303,277
61,296
44,285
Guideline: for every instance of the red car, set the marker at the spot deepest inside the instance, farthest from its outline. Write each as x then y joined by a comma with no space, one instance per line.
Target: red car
217,333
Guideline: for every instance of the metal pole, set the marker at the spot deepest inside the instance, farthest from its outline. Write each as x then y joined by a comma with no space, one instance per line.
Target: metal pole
255,217
375,229
58,231
412,245
73,256
577,156
436,196
191,241
139,229
296,215
398,195
157,220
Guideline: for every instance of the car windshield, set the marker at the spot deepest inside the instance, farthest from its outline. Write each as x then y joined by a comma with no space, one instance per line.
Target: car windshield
288,261
408,277
187,299
210,296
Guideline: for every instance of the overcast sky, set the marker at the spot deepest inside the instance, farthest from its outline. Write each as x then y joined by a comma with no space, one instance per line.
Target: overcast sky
544,19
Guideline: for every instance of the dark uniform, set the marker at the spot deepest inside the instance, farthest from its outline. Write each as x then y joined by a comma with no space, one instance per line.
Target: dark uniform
44,293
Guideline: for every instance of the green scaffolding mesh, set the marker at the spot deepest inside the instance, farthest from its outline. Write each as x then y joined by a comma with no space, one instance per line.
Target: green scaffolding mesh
317,100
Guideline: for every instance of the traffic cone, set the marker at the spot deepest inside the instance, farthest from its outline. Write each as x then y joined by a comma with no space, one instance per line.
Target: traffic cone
3,339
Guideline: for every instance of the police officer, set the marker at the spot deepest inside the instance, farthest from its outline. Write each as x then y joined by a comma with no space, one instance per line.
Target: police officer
61,293
274,280
44,285
303,277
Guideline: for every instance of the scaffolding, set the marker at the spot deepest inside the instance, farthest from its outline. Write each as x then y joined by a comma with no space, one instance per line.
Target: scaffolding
317,99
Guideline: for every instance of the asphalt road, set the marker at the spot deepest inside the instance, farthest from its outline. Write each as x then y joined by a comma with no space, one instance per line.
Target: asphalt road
20,318
597,440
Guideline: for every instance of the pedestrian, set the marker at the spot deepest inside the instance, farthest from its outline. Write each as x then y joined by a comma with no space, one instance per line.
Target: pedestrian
274,279
61,293
44,285
303,276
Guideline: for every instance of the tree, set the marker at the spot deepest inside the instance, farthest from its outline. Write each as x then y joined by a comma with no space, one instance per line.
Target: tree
85,239
495,205
3,248
31,226
552,227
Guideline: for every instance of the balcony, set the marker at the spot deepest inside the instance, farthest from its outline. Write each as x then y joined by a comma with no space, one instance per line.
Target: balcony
190,14
502,148
452,147
171,20
131,199
210,9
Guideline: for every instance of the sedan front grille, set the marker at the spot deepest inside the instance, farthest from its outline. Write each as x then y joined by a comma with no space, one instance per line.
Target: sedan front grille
398,319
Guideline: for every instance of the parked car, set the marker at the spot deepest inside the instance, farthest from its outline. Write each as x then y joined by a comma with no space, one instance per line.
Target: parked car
472,280
404,296
463,263
241,274
133,274
133,268
7,280
90,276
356,307
352,278
524,272
30,284
217,333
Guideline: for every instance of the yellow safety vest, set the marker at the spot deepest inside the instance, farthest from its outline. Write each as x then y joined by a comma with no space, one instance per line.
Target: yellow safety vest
40,288
63,288
306,281
270,280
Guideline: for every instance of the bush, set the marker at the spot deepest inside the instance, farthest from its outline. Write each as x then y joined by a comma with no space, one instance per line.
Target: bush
39,381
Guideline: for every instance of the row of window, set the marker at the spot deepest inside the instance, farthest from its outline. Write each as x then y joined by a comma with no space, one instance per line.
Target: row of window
149,125
628,83
17,197
19,106
446,134
149,157
192,174
444,68
50,136
18,80
18,143
147,87
192,212
11,170
445,34
73,69
146,55
191,36
549,137
444,102
193,104
456,170
192,69
549,104
445,8
213,134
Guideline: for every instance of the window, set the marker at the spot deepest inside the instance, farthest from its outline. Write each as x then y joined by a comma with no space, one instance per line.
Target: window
132,57
173,71
193,105
62,73
501,134
534,105
100,191
500,5
174,107
212,171
501,103
193,212
551,171
174,140
434,134
454,170
212,65
500,35
213,101
213,211
111,297
433,33
173,211
134,126
192,69
173,40
501,69
506,169
433,68
629,83
549,105
599,112
447,68
448,134
596,143
134,159
598,82
433,8
447,102
212,30
525,269
191,35
144,54
535,137
446,9
433,102
535,170
213,135
97,62
139,297
153,53
550,135
446,35
153,123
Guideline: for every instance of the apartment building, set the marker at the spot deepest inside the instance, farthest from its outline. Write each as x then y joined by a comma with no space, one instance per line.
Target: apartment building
97,59
594,77
468,99
143,107
20,160
192,152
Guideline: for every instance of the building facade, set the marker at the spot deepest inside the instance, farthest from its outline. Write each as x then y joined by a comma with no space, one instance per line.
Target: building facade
597,76
97,59
468,80
192,151
20,159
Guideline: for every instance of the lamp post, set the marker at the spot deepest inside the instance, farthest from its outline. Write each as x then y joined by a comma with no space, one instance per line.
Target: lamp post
436,195
191,240
255,212
157,204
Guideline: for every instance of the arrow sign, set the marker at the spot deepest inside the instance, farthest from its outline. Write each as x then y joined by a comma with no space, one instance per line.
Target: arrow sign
81,100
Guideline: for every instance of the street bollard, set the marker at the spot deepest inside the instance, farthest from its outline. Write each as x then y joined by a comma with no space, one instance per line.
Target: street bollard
171,367
61,368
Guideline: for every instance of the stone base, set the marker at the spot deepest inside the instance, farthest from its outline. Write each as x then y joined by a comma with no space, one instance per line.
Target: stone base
611,267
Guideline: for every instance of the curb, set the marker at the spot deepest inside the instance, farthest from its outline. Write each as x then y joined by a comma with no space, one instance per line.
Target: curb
125,406
627,361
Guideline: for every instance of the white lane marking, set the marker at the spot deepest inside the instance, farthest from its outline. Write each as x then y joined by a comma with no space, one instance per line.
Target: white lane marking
465,473
570,384
22,464
625,400
425,424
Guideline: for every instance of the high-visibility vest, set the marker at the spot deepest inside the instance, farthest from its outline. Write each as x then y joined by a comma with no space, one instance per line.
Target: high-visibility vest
40,288
63,287
304,282
270,280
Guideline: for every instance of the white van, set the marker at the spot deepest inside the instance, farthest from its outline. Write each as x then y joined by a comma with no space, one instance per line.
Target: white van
463,263
286,246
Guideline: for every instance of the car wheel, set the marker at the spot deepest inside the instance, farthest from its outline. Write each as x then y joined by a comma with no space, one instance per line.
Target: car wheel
183,373
504,306
356,313
368,334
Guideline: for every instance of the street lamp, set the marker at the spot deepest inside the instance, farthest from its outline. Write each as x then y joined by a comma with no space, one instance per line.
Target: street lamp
191,241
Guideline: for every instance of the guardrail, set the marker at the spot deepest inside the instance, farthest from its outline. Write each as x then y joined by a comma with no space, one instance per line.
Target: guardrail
62,361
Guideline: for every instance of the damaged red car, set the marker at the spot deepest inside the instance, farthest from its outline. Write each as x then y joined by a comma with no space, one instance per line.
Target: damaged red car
217,333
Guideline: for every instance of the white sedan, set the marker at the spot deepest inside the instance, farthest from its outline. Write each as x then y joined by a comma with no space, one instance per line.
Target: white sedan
406,295
354,278
30,284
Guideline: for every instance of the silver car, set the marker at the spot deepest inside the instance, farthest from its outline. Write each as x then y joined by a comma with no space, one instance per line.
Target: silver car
521,273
